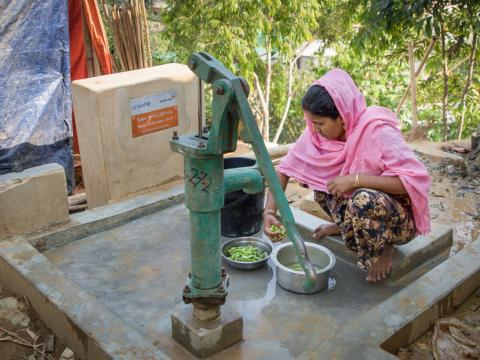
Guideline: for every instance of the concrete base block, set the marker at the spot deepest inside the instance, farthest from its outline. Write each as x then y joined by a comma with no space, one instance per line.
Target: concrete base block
125,122
206,338
32,200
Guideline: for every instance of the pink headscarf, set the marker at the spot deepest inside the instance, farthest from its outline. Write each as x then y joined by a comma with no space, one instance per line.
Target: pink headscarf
374,145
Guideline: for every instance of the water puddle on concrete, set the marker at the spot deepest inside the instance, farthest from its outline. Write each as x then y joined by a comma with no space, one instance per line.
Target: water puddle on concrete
252,308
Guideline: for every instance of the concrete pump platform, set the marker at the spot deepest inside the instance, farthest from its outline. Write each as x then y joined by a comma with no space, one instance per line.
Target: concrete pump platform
108,282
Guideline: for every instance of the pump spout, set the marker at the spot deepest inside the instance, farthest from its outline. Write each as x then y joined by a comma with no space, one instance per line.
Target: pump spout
248,179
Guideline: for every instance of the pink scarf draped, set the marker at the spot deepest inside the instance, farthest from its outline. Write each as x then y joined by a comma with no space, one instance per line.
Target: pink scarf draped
374,145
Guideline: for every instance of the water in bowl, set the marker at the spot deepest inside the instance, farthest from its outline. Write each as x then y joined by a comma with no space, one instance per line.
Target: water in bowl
298,267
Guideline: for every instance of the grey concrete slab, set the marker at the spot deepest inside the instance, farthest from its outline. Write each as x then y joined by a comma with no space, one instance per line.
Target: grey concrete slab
119,274
74,315
137,270
401,319
106,217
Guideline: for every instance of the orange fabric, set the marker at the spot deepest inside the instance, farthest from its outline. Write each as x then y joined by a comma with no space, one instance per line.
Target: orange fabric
97,35
78,57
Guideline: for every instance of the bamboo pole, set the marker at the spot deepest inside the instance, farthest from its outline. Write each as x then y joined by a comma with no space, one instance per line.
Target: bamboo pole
124,31
116,39
116,30
145,29
88,49
413,84
130,33
417,73
122,24
138,33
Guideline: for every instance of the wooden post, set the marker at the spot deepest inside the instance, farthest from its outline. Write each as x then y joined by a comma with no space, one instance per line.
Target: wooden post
413,84
467,83
417,73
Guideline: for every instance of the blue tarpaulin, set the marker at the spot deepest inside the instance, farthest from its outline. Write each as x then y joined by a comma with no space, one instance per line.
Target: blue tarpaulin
35,93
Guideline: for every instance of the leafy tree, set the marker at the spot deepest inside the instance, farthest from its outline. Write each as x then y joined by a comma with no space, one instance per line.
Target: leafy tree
260,41
335,19
235,31
388,24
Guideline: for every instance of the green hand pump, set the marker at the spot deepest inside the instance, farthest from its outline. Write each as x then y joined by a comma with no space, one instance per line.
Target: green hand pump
206,183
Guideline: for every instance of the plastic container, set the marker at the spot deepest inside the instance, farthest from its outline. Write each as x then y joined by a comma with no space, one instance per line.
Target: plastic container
242,213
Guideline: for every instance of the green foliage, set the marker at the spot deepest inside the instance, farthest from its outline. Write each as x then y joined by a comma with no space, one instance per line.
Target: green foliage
295,122
230,29
370,39
237,32
385,27
226,29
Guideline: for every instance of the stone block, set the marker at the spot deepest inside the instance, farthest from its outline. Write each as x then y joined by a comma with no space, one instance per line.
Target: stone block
125,121
32,200
206,338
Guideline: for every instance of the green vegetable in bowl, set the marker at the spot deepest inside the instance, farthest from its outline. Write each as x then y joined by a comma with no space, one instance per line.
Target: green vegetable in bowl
298,267
295,266
247,253
278,231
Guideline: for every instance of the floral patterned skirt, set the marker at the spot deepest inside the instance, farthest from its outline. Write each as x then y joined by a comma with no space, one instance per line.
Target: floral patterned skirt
369,220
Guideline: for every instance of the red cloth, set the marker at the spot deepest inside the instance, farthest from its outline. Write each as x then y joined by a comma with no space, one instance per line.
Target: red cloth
78,57
97,35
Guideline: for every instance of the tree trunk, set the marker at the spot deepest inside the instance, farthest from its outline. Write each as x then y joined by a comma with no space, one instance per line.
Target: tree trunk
471,62
473,158
259,92
290,92
445,81
268,78
289,100
417,73
413,84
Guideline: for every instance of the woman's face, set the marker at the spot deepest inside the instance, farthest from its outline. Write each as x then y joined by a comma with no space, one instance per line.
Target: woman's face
332,129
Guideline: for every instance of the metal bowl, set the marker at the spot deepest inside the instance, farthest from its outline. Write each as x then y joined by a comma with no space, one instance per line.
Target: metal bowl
244,241
292,280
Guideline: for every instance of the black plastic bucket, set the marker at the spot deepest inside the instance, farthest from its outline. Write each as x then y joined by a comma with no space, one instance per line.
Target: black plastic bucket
242,212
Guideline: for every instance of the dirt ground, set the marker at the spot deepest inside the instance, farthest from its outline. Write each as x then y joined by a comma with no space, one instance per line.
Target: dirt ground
422,349
455,199
13,331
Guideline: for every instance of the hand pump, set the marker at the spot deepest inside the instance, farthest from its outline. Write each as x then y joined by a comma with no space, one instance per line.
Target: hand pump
206,183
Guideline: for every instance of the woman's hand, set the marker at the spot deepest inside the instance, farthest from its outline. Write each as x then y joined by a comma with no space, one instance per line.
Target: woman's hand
341,185
269,220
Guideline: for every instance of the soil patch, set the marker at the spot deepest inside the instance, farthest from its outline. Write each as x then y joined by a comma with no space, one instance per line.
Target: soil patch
19,323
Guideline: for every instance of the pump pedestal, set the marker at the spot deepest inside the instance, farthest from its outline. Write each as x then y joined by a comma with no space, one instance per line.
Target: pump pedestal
204,338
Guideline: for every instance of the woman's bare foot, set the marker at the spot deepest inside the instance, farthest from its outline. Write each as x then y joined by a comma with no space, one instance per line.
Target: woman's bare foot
382,267
326,230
